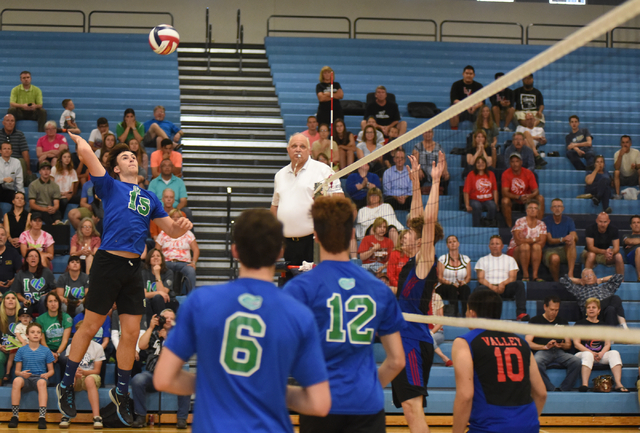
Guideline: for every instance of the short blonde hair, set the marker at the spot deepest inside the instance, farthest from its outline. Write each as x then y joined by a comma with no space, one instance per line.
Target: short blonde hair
325,69
592,301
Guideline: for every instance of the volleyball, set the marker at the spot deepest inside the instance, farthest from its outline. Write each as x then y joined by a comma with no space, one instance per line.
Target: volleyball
164,39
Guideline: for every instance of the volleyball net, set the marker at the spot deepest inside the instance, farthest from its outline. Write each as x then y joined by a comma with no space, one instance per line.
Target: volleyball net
577,77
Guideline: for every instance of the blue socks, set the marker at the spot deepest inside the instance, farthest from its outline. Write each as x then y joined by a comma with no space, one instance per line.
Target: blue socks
69,374
122,387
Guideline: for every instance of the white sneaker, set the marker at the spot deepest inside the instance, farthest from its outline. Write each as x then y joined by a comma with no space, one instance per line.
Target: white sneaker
617,197
97,422
64,422
506,129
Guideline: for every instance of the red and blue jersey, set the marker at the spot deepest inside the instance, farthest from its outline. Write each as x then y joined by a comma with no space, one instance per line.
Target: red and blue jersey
414,296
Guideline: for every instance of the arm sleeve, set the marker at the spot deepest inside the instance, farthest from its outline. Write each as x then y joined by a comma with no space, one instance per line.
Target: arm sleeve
38,96
140,128
101,185
17,283
146,125
167,279
14,95
540,99
296,290
119,130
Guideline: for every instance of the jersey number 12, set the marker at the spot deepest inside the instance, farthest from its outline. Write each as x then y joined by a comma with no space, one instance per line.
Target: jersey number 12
357,335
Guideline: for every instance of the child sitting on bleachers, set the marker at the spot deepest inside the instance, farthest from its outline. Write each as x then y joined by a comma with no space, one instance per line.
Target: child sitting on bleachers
24,316
37,361
68,118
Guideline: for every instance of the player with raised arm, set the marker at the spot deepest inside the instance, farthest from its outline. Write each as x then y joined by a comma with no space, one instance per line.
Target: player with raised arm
116,274
416,283
498,384
351,307
249,337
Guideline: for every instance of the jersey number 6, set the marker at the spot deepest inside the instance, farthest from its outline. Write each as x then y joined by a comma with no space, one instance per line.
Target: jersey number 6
241,354
357,335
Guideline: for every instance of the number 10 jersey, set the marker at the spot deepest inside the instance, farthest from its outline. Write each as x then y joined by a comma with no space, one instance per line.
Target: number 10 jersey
502,399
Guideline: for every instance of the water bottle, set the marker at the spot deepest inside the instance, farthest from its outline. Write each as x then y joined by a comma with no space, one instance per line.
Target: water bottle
152,419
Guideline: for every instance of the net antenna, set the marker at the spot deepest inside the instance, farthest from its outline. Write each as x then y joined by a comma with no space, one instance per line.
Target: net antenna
578,39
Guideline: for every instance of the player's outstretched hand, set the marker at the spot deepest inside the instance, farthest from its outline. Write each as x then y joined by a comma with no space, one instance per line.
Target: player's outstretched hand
76,138
438,169
184,223
414,171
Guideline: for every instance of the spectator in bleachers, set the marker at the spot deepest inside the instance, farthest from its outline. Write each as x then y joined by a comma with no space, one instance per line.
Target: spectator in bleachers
68,117
96,136
9,134
72,287
427,152
579,142
561,240
10,174
498,272
16,220
603,289
67,179
9,318
369,145
548,351
50,145
169,180
88,379
529,234
152,341
502,106
158,129
44,196
486,123
376,208
10,263
182,253
518,187
460,90
397,259
359,183
85,209
36,238
602,245
130,128
375,248
526,154
102,337
346,143
109,141
157,280
143,161
396,183
323,158
85,243
437,331
37,362
20,333
386,113
325,145
387,158
481,194
166,152
168,198
323,92
631,244
534,136
529,100
312,133
626,164
26,102
454,274
479,147
56,328
590,351
598,184
379,136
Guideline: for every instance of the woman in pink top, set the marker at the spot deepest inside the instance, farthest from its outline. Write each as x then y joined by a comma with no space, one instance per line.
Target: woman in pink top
177,253
50,145
85,243
38,239
527,242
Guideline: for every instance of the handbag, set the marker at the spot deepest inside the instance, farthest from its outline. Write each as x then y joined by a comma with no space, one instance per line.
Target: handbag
603,383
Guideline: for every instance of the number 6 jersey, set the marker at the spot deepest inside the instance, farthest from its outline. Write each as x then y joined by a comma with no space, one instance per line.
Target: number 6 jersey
127,213
502,399
351,307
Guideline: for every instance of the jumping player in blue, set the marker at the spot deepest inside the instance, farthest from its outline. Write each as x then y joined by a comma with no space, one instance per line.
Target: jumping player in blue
498,385
116,275
350,307
249,337
416,283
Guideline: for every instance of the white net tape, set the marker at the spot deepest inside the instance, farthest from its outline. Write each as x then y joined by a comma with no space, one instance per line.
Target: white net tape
580,38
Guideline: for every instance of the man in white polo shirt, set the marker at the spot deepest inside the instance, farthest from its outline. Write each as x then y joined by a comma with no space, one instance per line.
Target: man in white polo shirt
293,189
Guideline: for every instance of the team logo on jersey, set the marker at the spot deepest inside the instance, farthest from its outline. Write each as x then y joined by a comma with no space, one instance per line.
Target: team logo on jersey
347,283
483,185
518,186
250,302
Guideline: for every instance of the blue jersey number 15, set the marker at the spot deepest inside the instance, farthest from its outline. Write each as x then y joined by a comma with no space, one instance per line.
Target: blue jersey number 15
137,203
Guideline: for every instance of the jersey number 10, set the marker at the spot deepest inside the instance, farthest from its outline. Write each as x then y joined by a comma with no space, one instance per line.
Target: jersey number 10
508,352
357,335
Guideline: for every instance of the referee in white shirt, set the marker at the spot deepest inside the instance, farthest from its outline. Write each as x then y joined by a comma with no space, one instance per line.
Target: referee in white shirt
293,189
10,174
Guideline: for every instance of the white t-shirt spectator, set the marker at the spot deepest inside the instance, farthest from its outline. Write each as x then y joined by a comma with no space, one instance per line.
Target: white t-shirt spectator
633,157
95,352
496,269
64,181
96,137
535,132
66,117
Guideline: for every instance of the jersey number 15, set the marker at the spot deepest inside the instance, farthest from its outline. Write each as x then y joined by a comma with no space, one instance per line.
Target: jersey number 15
137,203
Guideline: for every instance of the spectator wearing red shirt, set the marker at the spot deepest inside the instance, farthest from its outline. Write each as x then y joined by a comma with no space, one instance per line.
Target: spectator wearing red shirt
397,259
374,249
49,146
481,194
518,187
